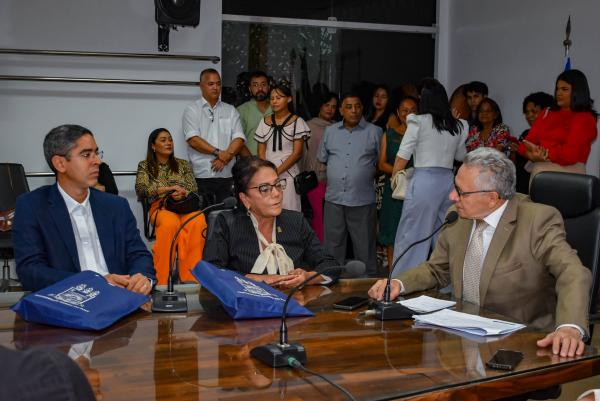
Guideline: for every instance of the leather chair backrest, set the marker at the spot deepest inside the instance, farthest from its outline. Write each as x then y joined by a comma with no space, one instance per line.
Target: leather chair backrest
13,182
211,219
577,197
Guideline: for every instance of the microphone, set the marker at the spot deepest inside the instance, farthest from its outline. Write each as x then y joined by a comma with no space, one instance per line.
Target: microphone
175,301
388,310
276,354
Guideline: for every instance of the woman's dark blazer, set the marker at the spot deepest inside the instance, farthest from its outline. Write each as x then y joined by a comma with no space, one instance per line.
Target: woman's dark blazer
232,242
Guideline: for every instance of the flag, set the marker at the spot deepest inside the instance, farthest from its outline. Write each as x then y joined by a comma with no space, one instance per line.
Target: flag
567,44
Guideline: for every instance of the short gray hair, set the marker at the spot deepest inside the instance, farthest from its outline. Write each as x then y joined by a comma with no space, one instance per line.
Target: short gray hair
498,172
60,140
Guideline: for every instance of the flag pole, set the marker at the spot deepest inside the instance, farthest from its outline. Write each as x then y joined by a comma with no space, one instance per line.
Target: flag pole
567,44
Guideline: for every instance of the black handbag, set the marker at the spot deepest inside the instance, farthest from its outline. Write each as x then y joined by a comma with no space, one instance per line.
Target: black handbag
305,181
189,204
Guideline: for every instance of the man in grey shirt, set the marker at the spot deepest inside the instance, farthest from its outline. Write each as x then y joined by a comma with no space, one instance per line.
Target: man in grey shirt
350,149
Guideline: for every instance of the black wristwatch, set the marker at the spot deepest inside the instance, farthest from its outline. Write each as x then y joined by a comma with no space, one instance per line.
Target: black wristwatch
215,152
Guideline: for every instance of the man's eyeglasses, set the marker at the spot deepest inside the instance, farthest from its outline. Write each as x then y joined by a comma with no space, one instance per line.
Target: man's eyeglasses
462,194
211,115
87,154
266,189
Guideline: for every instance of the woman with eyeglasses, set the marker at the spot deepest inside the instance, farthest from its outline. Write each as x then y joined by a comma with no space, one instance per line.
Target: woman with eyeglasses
280,139
163,175
261,239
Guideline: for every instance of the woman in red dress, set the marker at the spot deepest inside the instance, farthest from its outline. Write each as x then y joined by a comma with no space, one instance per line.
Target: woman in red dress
561,137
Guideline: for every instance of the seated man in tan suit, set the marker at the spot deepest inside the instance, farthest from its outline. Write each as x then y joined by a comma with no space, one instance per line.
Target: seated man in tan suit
508,255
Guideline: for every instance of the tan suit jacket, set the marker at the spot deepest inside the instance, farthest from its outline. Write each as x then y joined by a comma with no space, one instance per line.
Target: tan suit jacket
530,273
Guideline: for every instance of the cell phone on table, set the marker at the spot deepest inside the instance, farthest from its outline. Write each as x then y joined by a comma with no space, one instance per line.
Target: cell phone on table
505,359
350,303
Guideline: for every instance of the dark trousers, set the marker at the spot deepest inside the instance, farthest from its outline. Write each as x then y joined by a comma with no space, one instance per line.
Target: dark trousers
358,222
214,190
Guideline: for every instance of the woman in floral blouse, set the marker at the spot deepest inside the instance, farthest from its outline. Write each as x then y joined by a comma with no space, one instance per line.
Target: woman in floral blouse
489,131
161,175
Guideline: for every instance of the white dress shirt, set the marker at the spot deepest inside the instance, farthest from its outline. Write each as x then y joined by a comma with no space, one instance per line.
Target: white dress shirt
89,249
218,126
595,392
492,221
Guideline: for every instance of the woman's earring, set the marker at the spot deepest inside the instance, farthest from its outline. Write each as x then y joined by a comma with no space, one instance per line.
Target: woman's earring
248,212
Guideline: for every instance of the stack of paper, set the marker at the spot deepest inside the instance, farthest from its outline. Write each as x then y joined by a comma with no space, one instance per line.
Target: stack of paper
471,324
425,304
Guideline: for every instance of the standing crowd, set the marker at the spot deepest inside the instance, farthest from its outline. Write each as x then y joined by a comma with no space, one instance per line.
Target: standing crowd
308,197
354,153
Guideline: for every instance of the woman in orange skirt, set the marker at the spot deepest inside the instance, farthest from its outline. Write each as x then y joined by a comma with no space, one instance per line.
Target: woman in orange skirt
159,176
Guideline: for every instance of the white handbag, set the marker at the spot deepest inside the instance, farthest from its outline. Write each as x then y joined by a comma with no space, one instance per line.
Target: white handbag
399,182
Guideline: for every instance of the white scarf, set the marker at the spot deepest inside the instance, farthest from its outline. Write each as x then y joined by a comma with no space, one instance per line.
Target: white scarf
272,258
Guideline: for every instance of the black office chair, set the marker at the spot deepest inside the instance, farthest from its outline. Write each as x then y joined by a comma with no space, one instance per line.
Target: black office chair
577,197
211,219
13,182
148,229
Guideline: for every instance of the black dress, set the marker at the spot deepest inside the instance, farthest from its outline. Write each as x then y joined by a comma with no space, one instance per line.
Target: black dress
522,175
106,178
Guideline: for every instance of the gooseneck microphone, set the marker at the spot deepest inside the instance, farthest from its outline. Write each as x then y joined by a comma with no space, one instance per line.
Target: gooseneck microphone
277,354
171,300
388,310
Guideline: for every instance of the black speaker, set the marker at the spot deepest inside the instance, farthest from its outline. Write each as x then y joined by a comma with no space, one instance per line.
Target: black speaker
177,12
173,13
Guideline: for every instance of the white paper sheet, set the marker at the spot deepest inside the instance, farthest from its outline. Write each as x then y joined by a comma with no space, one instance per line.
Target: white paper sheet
425,304
471,324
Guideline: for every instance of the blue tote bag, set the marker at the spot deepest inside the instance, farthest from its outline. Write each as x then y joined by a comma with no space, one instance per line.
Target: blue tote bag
242,297
84,301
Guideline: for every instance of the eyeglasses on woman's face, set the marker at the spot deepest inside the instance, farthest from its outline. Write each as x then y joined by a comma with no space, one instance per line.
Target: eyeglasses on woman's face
266,189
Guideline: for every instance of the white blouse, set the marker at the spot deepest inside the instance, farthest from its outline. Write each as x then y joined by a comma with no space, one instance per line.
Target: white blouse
430,147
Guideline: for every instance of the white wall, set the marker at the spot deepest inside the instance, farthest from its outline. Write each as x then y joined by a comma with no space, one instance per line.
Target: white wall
120,116
515,46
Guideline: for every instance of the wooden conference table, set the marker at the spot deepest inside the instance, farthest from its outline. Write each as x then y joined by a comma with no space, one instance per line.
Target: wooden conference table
204,355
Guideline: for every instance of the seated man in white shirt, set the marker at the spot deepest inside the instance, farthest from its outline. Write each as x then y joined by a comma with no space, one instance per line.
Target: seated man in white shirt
508,255
62,229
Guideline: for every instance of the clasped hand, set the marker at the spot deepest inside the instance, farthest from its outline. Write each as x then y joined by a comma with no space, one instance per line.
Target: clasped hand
536,153
219,163
136,283
291,280
178,192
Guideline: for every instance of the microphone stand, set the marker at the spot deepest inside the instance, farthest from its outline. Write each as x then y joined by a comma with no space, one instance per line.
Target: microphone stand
171,300
389,310
277,354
